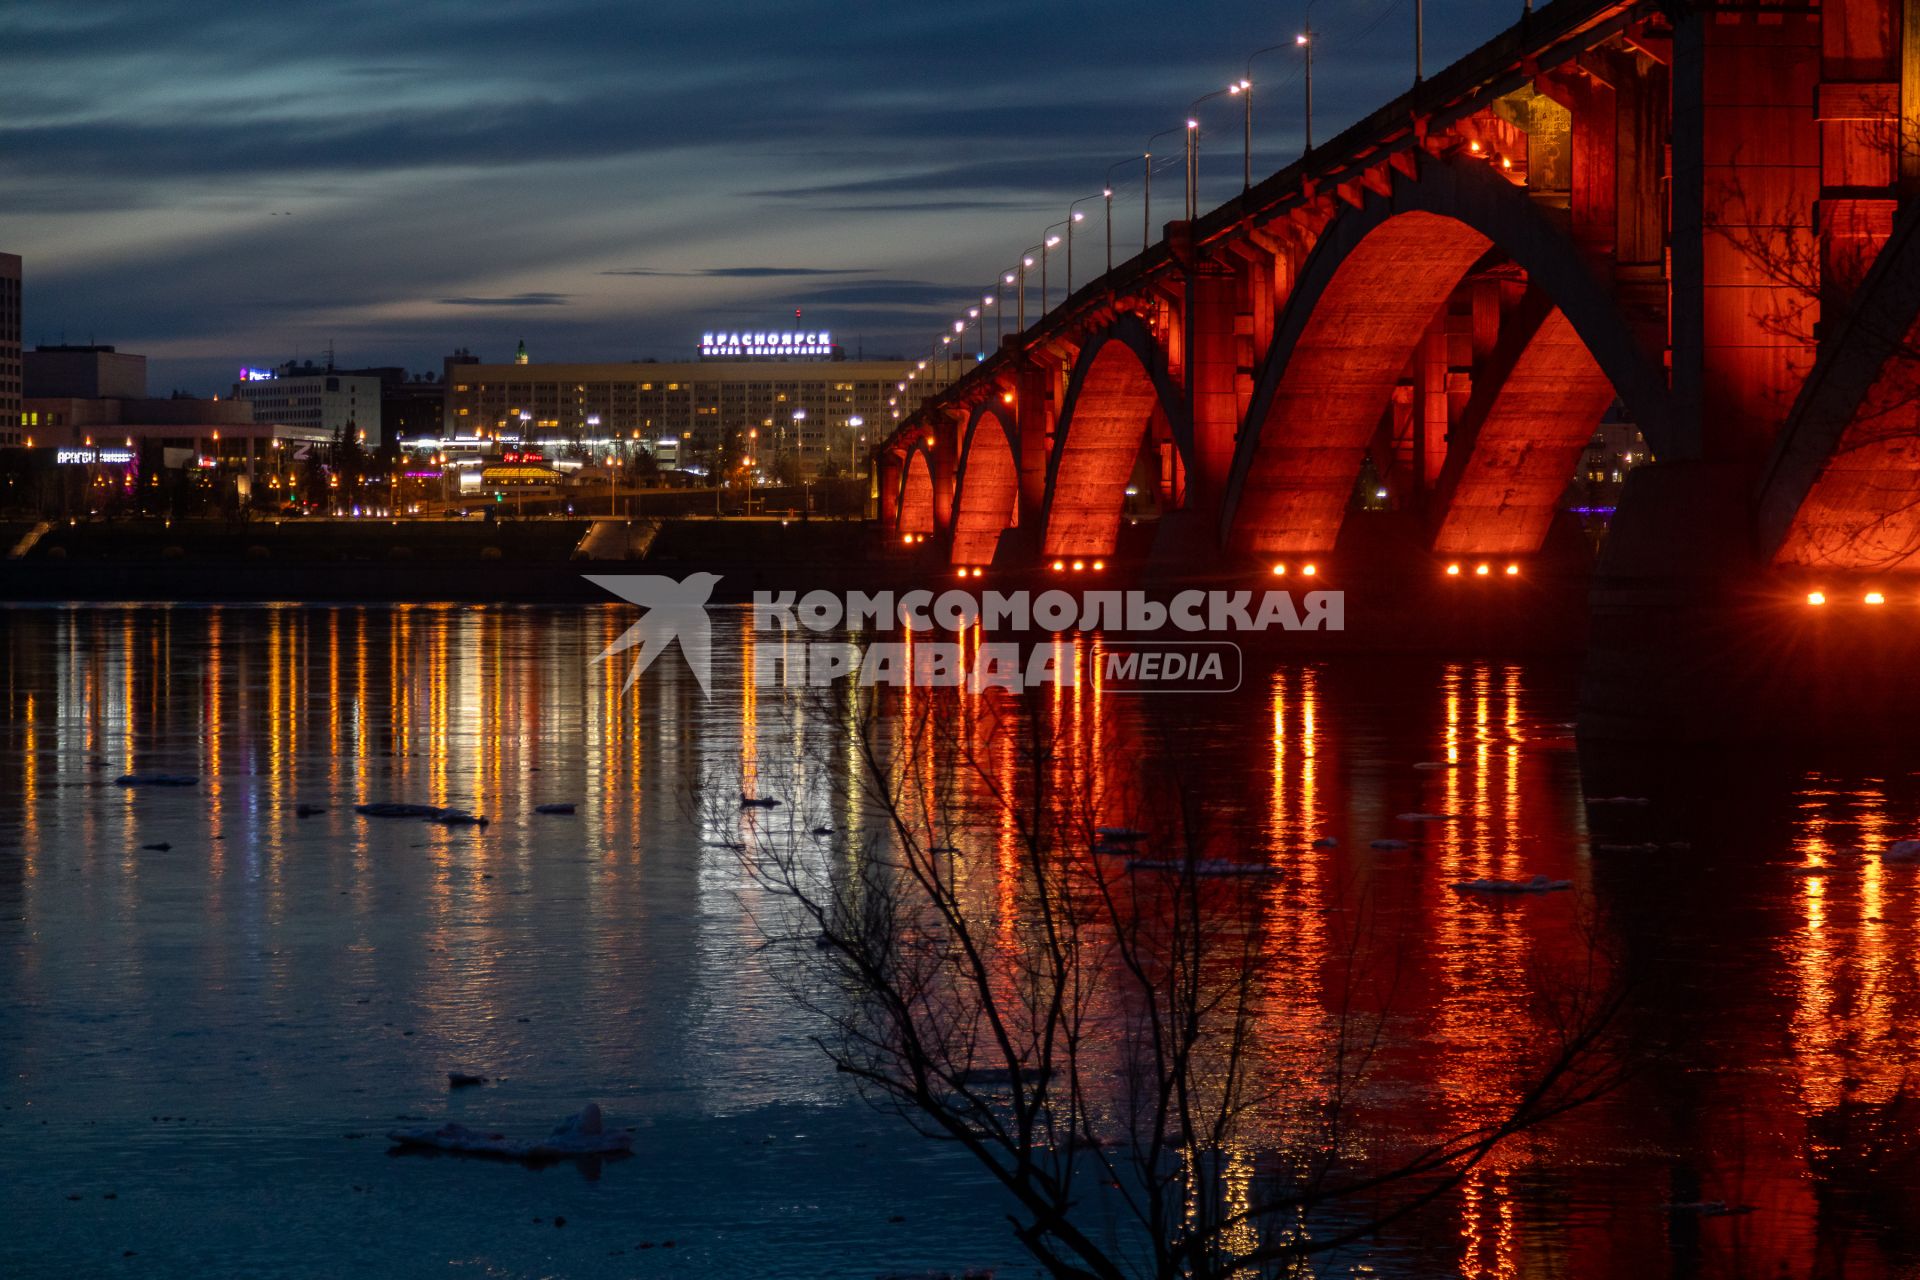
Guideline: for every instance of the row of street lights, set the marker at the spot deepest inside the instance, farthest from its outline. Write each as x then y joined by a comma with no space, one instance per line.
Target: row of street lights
1242,89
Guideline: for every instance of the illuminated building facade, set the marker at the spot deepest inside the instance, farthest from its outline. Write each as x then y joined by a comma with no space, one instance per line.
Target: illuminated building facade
317,399
88,406
823,413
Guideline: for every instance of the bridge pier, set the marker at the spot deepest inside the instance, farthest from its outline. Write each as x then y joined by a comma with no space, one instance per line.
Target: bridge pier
889,465
1034,407
1213,310
1695,638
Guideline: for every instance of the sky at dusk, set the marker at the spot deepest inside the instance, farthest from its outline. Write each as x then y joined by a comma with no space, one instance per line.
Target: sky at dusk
224,182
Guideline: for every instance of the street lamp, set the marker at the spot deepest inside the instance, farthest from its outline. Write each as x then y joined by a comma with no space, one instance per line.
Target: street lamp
1193,161
1074,218
992,300
1026,265
1106,191
1419,39
1146,189
1244,90
973,313
1193,151
1047,241
1305,41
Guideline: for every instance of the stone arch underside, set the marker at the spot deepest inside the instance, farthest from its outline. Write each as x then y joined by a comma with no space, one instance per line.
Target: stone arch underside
1378,275
1114,407
916,495
1339,377
987,498
1540,417
1843,488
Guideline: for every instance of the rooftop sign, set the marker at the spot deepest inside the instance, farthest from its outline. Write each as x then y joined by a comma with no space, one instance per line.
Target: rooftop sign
87,457
786,342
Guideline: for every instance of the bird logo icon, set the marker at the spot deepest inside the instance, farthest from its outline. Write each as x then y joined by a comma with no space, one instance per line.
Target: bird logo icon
676,610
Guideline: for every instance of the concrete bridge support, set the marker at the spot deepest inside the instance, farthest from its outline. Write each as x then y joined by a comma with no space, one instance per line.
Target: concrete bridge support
1215,319
1035,408
1704,626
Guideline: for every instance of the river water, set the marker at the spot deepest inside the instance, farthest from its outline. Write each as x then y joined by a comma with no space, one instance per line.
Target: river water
201,1047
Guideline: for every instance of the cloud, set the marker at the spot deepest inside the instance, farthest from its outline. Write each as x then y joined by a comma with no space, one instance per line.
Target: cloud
515,300
937,207
740,273
899,292
462,173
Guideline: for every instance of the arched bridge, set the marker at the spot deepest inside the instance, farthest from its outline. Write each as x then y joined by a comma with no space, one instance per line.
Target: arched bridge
1696,210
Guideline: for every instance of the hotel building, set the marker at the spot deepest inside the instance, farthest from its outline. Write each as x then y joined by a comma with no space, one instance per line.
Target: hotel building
791,395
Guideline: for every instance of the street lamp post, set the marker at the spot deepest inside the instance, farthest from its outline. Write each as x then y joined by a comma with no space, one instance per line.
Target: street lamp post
1305,41
613,491
800,444
1245,91
1106,191
1074,218
1026,265
1193,161
1146,190
1193,150
1047,241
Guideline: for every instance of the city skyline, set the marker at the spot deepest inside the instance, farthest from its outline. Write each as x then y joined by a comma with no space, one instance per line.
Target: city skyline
216,187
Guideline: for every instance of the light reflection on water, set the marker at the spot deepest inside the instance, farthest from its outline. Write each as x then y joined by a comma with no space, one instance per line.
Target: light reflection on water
272,983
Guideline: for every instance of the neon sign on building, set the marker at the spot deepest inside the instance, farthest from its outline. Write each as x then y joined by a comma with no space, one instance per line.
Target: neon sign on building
87,457
767,343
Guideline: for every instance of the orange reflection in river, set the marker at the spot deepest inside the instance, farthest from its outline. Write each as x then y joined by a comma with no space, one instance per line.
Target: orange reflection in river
1775,1012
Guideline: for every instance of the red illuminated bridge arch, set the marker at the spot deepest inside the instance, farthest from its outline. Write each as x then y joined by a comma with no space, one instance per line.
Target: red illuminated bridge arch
1120,403
1367,295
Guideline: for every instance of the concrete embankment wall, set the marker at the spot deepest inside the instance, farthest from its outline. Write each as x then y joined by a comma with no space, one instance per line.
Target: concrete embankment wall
466,561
